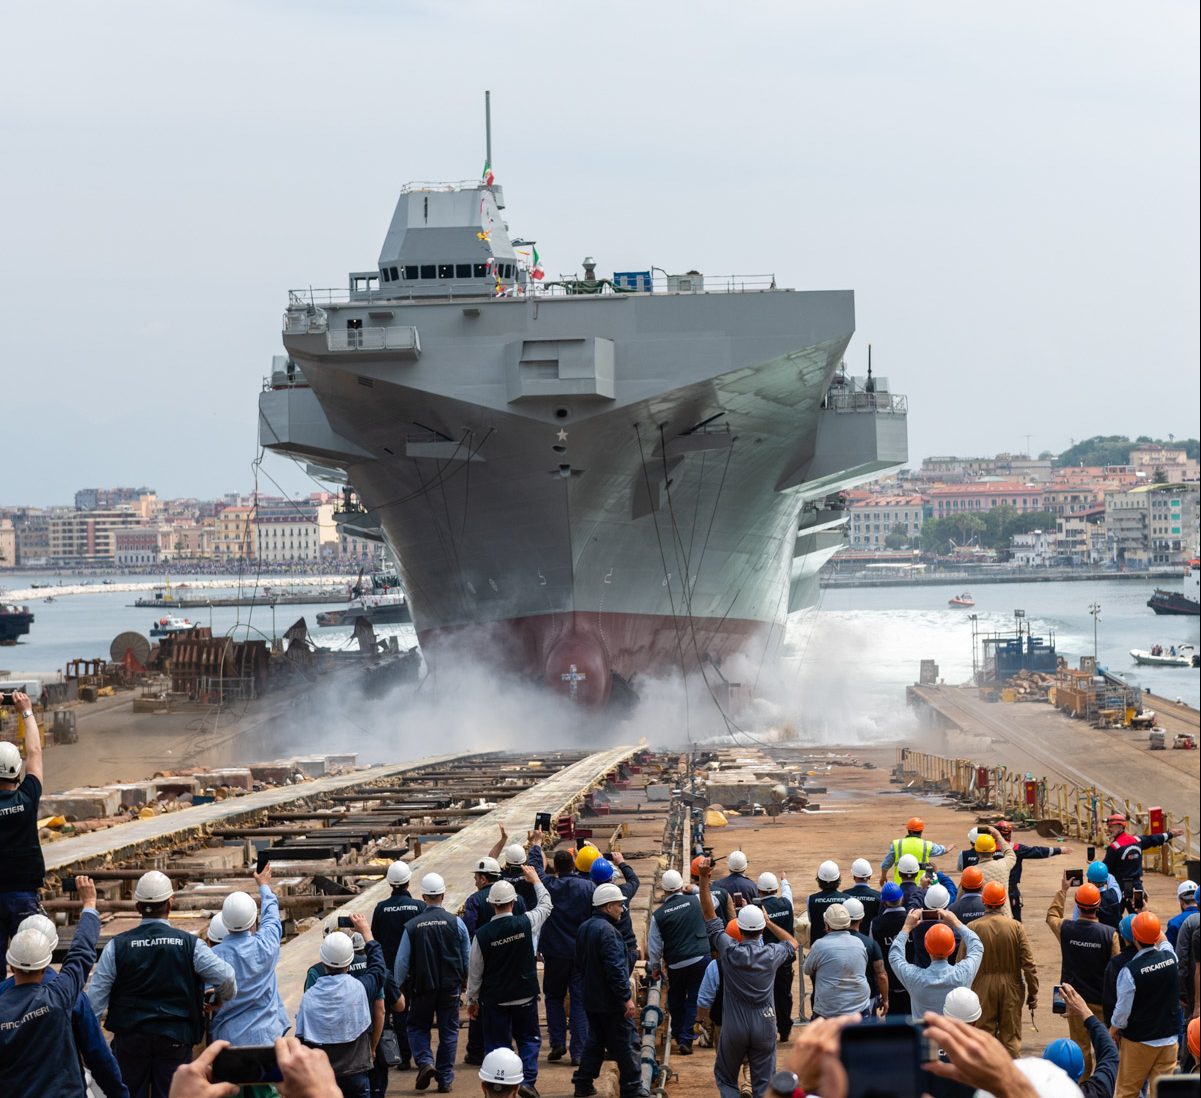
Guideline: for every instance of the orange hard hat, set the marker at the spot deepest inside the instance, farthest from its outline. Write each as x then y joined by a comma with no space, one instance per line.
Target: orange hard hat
994,894
915,823
1145,928
734,930
972,878
1115,818
1193,1037
696,865
1088,895
940,941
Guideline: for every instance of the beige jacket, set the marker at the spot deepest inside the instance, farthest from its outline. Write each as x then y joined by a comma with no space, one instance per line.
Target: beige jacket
998,869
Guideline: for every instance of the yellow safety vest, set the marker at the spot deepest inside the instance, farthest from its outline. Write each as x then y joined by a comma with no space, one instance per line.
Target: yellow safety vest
910,844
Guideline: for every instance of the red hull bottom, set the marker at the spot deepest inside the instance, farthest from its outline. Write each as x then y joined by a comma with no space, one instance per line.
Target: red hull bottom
578,654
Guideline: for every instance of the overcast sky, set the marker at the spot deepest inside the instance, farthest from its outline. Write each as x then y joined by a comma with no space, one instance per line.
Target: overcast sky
1010,189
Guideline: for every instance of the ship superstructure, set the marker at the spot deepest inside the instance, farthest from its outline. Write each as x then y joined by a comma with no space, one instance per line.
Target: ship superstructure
584,481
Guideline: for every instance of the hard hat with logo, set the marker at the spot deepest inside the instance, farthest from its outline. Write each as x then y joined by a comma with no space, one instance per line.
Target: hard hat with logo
153,888
937,897
1146,928
751,918
514,854
972,879
733,930
601,871
488,867
915,823
399,874
585,858
1186,890
768,882
994,894
502,893
239,912
337,950
217,931
607,894
962,1003
502,1066
1088,896
828,872
432,884
29,951
671,881
1066,1054
861,869
940,941
908,865
985,843
42,924
736,861
10,763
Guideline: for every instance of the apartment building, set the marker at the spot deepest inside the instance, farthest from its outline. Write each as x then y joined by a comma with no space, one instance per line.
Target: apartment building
873,518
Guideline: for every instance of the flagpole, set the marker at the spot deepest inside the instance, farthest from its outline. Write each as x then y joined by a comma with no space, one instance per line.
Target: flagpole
488,126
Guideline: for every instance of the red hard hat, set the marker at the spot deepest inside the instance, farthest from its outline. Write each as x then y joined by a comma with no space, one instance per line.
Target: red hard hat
994,894
1087,895
734,930
915,823
940,941
1004,827
1115,818
972,878
1145,928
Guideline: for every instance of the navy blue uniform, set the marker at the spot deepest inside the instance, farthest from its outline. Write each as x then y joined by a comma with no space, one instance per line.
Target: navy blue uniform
561,979
601,957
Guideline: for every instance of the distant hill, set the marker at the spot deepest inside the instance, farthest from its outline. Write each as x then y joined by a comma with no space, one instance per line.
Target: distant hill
1115,449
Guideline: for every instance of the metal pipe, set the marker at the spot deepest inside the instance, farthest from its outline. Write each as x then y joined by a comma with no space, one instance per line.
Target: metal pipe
652,1015
219,873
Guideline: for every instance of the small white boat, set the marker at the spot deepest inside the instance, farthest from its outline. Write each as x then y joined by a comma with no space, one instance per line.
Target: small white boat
164,627
1175,655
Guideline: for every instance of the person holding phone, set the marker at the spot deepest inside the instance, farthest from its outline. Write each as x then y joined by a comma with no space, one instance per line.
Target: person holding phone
928,987
1068,1055
22,869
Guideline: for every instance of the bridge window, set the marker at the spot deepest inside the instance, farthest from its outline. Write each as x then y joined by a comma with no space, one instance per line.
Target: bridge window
384,273
428,270
394,273
462,270
411,272
479,270
446,270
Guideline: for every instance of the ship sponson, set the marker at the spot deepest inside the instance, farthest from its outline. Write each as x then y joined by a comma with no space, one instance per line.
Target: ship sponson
579,485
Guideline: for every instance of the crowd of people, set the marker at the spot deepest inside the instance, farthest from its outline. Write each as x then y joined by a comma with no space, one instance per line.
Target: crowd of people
387,991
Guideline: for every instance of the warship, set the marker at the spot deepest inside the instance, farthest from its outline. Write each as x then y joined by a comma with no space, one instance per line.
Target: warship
584,480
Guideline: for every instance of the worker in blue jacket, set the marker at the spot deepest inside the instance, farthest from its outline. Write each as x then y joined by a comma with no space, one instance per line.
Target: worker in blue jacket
38,1053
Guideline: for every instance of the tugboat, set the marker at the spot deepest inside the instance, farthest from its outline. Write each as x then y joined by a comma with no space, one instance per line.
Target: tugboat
1186,602
386,605
962,600
14,622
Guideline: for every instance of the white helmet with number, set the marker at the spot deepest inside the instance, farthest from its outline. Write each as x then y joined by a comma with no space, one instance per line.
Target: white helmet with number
239,912
502,1066
153,888
10,761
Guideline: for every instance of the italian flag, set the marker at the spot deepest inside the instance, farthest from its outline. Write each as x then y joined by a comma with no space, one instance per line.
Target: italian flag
536,271
486,174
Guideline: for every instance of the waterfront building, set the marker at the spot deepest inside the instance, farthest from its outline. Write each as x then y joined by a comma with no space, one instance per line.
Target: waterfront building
1153,524
234,533
287,530
88,537
873,517
948,500
1165,464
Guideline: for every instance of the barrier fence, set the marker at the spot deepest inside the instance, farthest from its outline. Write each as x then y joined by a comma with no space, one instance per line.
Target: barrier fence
1079,812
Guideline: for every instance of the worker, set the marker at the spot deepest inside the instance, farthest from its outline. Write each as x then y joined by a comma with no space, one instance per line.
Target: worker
928,987
1022,853
936,898
969,906
85,1029
677,947
838,964
1147,1015
476,912
335,1012
1188,948
885,927
601,958
969,856
1128,948
997,859
502,975
736,884
217,931
964,1004
1186,897
38,1051
913,894
748,972
861,874
433,954
501,1074
1085,945
1110,911
1124,854
1007,965
22,869
876,976
512,865
388,922
571,897
829,876
722,903
775,897
148,987
913,843
1068,1055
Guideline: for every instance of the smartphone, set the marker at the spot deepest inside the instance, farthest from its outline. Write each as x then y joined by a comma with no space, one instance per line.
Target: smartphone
1090,852
262,857
542,822
1138,899
6,697
1075,877
930,915
1172,1086
246,1065
1058,1003
344,922
885,1058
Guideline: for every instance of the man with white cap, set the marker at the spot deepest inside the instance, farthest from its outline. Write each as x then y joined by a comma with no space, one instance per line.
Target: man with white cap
678,944
748,974
513,861
861,873
837,964
388,922
501,1074
23,868
875,973
149,988
775,897
736,884
335,1011
256,1014
828,878
433,953
38,1053
1186,896
502,975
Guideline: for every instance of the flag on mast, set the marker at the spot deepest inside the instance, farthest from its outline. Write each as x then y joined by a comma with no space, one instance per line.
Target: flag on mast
486,174
536,271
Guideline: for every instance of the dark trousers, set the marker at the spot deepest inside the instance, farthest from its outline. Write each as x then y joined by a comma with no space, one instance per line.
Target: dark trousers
682,986
428,1009
782,996
609,1039
1015,903
400,1026
377,1077
475,1041
561,980
148,1062
15,906
504,1025
357,1085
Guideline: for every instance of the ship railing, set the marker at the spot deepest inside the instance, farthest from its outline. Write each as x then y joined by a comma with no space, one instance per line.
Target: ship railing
888,403
395,338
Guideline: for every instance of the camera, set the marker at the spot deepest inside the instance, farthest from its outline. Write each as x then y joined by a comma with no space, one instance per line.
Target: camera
6,697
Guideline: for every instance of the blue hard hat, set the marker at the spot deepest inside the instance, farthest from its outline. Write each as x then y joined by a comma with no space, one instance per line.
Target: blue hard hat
1098,873
1126,928
601,871
1067,1055
891,892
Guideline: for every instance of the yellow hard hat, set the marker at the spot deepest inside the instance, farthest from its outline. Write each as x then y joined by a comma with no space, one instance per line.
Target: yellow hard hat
585,858
985,844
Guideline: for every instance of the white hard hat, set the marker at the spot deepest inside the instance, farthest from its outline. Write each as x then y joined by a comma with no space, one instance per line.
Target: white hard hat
606,894
399,874
1048,1080
10,762
1186,888
854,908
490,867
337,950
736,861
973,835
217,931
153,888
828,871
836,917
768,882
30,951
239,912
42,924
671,881
937,897
502,1066
514,854
908,866
357,942
432,884
751,917
502,892
861,869
962,1003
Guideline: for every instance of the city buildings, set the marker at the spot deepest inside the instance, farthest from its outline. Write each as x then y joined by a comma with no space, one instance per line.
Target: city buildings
874,518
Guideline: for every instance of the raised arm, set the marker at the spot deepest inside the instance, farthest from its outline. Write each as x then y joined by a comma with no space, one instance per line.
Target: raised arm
33,737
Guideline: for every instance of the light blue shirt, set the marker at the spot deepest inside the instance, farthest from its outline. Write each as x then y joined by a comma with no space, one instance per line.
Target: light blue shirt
205,963
1121,1010
837,964
256,1015
404,955
333,1011
928,987
709,984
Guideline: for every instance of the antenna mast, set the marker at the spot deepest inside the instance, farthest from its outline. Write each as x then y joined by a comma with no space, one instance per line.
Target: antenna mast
488,126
